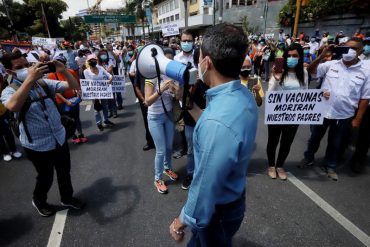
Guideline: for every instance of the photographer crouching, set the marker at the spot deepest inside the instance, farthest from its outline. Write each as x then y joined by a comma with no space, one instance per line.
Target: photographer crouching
41,132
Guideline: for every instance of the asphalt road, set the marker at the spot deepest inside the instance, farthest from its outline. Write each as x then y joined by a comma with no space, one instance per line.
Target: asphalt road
115,178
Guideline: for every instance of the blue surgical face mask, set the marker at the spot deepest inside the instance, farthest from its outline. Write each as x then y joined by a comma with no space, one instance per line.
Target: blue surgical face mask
292,62
187,46
306,52
366,49
103,57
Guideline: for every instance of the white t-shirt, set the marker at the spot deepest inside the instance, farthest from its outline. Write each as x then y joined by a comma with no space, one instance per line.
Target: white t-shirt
182,58
157,107
133,67
81,61
102,75
290,82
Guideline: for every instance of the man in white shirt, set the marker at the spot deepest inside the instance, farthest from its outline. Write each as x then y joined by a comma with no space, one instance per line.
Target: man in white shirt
346,86
314,46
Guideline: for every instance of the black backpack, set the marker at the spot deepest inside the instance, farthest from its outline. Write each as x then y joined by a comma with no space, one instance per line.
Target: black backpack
67,122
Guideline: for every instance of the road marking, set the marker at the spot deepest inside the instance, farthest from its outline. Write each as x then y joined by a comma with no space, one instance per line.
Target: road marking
343,221
128,84
88,108
57,231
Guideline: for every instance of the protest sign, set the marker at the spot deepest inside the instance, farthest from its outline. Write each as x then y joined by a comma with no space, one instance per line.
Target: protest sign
295,107
170,30
269,36
44,41
99,89
118,84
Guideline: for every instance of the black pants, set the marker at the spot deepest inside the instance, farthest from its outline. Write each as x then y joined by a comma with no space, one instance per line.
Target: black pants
363,141
338,132
144,112
284,133
45,162
6,133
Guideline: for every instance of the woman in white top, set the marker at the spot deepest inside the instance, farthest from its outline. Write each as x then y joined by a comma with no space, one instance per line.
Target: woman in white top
293,77
96,72
158,98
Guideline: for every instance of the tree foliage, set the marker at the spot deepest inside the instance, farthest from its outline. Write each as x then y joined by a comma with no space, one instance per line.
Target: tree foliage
75,28
27,15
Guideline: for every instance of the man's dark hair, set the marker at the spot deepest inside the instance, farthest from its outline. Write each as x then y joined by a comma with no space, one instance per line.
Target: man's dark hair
9,57
226,45
356,39
187,32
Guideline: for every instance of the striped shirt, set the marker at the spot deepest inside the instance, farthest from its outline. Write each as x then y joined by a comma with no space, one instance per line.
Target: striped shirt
44,124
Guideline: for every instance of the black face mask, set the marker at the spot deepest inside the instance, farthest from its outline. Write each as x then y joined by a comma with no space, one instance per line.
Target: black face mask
92,63
245,72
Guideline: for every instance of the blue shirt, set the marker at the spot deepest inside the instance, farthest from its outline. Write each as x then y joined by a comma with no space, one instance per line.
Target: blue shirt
44,125
71,60
223,139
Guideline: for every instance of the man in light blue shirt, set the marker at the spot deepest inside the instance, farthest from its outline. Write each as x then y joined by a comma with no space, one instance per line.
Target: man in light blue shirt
223,140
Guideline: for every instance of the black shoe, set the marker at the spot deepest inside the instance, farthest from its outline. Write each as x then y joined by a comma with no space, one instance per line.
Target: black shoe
44,209
179,154
148,147
100,127
73,203
108,123
357,166
115,115
110,115
120,107
187,182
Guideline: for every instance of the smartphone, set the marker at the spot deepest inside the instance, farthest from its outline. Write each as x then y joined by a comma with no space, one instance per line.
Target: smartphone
279,64
251,82
338,52
51,68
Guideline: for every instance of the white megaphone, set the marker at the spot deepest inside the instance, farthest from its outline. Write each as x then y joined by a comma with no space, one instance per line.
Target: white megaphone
148,67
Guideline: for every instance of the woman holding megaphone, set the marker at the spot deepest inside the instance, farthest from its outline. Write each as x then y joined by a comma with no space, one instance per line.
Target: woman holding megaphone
158,98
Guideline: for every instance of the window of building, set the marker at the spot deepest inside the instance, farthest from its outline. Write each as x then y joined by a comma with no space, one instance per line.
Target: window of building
193,2
172,18
172,5
167,7
176,4
227,5
234,3
242,2
206,11
251,2
167,19
177,17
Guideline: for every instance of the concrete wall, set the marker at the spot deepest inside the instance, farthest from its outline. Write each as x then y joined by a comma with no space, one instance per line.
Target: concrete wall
347,23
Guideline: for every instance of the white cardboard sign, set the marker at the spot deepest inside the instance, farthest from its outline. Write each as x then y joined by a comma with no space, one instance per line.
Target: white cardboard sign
170,30
118,84
44,41
295,107
96,89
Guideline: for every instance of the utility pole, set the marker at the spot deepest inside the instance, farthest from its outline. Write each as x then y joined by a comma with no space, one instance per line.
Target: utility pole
296,20
186,12
221,11
12,30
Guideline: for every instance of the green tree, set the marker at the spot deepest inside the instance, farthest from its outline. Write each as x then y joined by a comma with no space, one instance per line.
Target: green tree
53,11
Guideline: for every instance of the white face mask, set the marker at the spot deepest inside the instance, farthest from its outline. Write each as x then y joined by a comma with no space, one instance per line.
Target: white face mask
200,74
351,55
22,74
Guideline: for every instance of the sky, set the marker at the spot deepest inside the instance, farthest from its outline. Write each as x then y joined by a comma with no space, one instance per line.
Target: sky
75,5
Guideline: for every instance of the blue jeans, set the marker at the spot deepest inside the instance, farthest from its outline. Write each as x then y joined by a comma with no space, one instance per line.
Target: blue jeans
224,224
190,155
338,132
119,99
162,130
98,119
112,106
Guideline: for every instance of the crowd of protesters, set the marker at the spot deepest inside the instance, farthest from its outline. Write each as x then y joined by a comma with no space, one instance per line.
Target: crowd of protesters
287,63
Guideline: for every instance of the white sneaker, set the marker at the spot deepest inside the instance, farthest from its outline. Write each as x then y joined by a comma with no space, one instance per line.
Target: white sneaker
7,157
16,154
